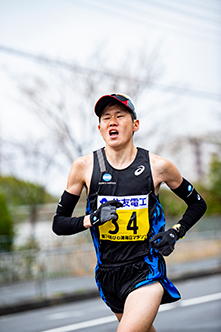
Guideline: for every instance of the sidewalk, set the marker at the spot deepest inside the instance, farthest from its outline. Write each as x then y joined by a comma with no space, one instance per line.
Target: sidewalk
35,294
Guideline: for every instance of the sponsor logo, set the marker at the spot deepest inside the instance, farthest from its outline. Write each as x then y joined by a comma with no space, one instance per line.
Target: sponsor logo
103,200
129,202
107,177
189,188
139,170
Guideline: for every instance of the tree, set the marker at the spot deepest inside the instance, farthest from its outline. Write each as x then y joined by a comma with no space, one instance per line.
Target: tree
6,226
19,192
214,199
63,96
61,99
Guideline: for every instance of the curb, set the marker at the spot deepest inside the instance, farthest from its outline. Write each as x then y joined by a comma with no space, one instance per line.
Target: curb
47,302
86,295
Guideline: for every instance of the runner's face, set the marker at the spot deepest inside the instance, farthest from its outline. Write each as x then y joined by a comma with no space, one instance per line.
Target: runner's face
116,126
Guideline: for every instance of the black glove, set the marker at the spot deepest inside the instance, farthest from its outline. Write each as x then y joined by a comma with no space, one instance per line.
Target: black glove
164,242
106,212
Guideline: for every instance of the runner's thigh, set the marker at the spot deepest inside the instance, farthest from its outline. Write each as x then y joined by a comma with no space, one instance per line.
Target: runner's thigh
140,308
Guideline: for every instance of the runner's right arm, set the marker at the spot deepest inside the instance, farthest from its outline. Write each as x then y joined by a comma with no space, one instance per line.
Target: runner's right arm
63,222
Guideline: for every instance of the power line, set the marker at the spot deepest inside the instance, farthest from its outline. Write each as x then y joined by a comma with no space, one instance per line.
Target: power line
185,12
200,5
169,8
70,66
207,6
191,29
144,6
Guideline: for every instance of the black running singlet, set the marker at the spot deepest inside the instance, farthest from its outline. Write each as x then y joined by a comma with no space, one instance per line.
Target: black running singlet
141,216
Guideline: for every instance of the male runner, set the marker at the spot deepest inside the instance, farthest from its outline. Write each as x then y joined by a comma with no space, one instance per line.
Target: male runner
125,217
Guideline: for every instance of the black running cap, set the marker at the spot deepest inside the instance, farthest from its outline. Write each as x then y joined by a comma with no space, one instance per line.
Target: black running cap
115,97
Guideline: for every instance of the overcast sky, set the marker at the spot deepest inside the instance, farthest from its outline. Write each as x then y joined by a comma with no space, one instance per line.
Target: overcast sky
189,33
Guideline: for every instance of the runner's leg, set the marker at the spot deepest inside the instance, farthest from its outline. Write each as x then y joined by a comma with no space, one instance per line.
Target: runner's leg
140,309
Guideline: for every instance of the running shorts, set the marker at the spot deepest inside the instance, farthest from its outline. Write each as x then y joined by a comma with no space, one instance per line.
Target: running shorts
116,281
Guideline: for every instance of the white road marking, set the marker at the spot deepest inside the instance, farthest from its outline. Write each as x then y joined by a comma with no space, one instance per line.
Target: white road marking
193,301
110,319
62,315
201,299
168,306
83,325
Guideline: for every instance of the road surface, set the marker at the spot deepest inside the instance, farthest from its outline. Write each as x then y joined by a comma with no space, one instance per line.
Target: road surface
198,311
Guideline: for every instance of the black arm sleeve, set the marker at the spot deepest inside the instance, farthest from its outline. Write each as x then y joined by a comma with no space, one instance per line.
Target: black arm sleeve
196,204
63,223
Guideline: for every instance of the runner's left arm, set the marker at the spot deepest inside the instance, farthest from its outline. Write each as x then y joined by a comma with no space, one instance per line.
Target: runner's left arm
164,242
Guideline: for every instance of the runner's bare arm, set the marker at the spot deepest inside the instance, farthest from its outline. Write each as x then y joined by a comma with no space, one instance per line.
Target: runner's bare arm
63,222
165,171
80,175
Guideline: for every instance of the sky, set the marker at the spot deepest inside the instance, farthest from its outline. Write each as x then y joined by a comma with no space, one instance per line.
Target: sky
189,35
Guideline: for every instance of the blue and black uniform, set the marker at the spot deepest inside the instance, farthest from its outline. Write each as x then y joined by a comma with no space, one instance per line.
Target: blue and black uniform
125,261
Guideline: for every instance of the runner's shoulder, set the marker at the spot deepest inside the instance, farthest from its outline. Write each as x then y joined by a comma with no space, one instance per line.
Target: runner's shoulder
158,163
81,164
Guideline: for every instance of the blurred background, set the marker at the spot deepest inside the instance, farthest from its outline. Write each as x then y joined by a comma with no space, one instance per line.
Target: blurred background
56,59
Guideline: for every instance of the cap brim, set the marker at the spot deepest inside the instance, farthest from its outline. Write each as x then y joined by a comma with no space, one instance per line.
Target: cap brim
104,101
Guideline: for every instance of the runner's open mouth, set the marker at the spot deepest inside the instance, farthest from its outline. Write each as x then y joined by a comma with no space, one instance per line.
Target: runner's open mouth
113,132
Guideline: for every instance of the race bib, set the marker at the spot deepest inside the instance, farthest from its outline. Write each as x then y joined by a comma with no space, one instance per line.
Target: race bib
133,219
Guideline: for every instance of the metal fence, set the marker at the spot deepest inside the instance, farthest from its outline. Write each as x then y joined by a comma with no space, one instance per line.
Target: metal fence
34,264
55,257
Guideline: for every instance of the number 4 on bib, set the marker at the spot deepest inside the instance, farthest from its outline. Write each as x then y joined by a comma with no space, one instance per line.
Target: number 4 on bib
132,225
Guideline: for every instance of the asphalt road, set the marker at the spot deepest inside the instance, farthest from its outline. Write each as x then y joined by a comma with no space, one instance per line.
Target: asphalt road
198,311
